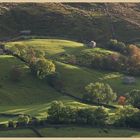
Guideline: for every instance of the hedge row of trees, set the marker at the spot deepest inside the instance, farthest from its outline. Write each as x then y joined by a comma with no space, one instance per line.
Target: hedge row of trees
127,117
123,117
60,113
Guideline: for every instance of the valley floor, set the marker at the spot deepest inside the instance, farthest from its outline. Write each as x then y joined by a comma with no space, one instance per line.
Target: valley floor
71,131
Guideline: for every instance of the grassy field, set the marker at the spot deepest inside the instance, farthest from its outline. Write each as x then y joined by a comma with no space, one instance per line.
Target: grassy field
76,78
28,90
71,131
38,110
71,75
87,132
29,95
18,133
33,96
51,46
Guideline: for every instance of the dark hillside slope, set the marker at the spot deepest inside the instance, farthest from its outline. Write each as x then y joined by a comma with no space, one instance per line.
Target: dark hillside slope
79,21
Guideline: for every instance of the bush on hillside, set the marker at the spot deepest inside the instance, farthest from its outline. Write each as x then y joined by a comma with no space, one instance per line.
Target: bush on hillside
116,45
42,68
113,62
133,63
4,125
99,93
23,120
127,117
34,53
15,74
19,49
12,124
133,97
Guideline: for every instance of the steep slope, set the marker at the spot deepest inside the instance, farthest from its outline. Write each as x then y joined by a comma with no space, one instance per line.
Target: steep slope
86,21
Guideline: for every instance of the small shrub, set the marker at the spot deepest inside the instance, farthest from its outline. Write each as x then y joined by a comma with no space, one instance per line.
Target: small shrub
15,74
12,124
117,46
4,125
23,120
133,97
122,100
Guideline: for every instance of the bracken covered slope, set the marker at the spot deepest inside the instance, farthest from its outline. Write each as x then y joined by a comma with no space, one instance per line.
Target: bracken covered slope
79,21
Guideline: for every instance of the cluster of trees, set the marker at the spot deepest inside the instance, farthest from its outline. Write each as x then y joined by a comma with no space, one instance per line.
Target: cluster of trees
42,67
127,117
133,98
103,93
133,63
111,62
39,65
60,113
127,60
118,46
99,93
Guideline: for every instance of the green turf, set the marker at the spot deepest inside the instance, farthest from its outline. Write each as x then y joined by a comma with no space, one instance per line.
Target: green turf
51,46
38,108
70,131
17,133
29,95
27,91
74,77
33,96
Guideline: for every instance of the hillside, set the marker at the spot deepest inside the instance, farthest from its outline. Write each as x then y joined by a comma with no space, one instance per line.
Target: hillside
83,22
55,82
71,74
20,92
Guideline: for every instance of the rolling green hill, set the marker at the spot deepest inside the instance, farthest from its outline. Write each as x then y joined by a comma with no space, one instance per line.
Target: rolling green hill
75,78
62,31
33,96
28,91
